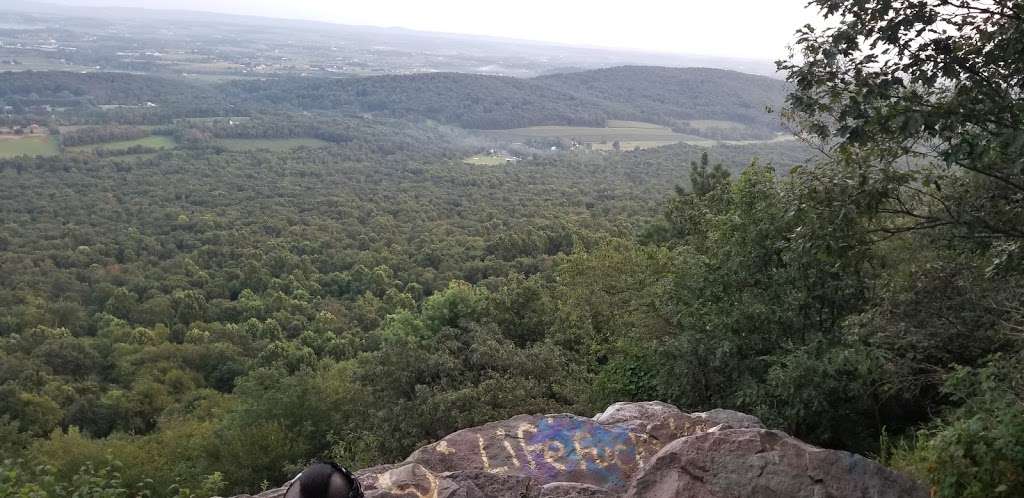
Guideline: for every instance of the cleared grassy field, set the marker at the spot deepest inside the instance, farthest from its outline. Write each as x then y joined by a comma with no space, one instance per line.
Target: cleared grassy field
485,160
629,134
154,141
644,135
592,135
71,128
275,144
615,123
712,124
632,145
38,145
781,137
208,67
28,62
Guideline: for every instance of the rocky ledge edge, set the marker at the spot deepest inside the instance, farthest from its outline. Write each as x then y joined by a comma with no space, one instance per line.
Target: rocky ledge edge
635,450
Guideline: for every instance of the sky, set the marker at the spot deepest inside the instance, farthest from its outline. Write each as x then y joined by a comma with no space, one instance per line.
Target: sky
757,29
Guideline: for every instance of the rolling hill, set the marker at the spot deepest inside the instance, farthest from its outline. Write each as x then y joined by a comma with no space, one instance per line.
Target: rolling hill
690,100
703,102
466,100
102,88
710,103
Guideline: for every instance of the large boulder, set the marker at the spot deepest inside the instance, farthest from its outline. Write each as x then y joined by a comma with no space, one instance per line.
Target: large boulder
764,464
728,418
665,422
606,451
573,490
414,481
640,450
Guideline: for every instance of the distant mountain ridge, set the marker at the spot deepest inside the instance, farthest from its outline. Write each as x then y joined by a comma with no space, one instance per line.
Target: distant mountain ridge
466,100
669,96
712,103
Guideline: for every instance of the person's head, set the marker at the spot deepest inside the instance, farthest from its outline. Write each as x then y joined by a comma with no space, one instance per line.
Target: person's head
324,480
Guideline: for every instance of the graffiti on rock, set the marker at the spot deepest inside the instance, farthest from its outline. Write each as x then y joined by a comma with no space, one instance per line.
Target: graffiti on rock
555,446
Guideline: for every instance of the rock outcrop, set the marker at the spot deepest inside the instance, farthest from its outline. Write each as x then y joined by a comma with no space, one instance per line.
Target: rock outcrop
637,450
757,462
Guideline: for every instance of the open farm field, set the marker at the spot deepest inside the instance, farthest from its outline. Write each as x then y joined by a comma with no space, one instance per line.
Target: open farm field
629,134
592,134
639,144
485,160
716,124
617,123
31,145
782,137
154,141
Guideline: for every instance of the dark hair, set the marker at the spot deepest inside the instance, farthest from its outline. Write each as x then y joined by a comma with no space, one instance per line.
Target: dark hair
315,481
319,481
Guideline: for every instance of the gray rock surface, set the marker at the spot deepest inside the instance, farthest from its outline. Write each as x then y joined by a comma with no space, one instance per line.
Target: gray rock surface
638,450
414,481
551,448
733,419
573,490
764,464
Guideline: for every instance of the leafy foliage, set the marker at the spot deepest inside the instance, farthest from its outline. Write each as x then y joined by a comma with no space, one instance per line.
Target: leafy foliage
921,99
673,97
203,311
976,451
213,319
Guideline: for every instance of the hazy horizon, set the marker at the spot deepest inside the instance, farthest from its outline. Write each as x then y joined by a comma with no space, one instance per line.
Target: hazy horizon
762,31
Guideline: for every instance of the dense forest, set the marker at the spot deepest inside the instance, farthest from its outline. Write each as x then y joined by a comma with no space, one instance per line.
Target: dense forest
467,100
205,320
156,287
668,96
98,88
673,96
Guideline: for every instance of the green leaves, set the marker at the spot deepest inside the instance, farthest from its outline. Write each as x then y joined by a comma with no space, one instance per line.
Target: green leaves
947,88
977,450
920,106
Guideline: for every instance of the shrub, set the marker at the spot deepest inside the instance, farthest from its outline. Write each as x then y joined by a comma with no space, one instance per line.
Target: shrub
978,450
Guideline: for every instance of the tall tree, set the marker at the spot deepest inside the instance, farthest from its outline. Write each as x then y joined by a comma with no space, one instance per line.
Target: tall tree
922,101
920,106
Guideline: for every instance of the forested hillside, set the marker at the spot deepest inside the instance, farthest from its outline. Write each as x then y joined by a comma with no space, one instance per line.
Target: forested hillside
97,88
668,96
64,89
95,98
673,97
689,100
154,313
467,100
